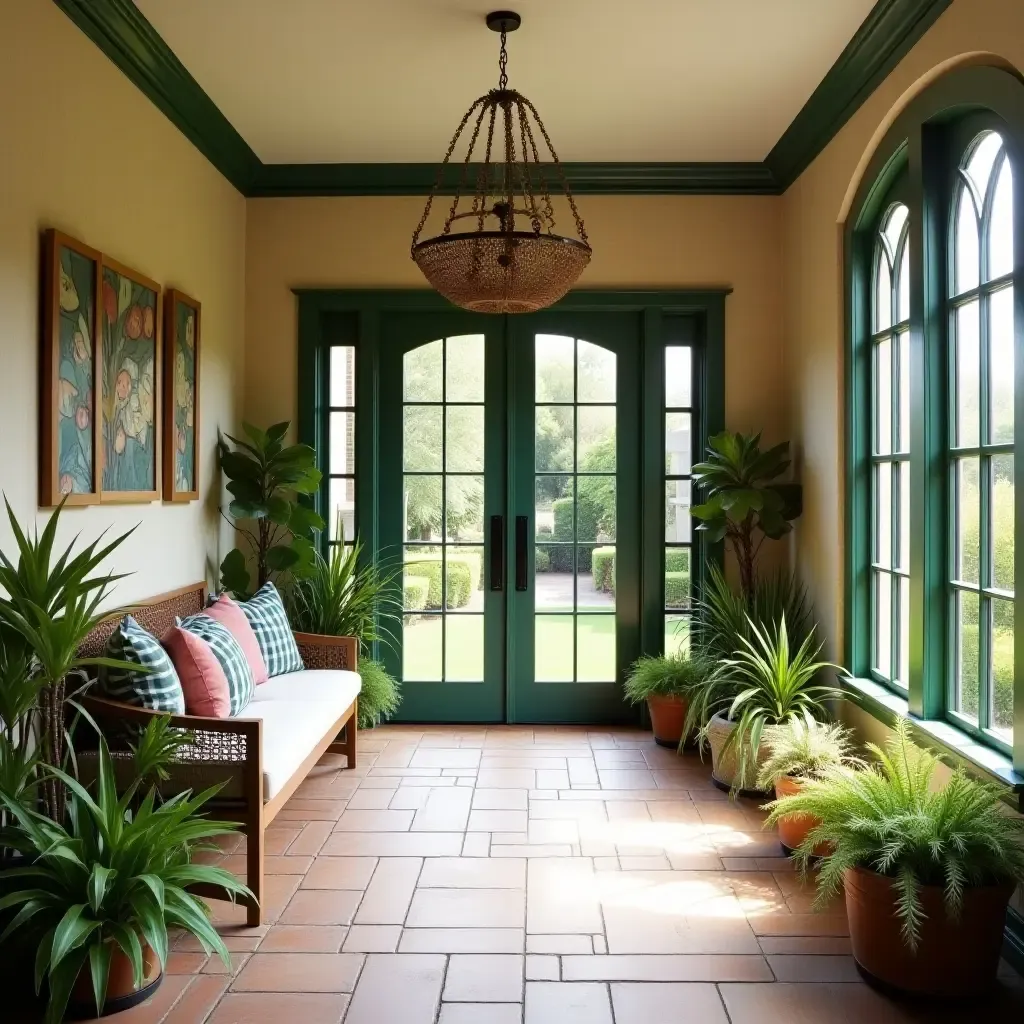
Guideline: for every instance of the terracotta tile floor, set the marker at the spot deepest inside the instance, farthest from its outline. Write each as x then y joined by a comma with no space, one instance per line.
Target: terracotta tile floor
535,876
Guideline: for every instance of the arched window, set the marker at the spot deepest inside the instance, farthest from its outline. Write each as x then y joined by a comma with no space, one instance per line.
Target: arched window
890,448
934,254
981,456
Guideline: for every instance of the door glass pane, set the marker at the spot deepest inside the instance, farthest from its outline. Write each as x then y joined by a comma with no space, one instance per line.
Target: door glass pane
967,655
678,521
1000,229
422,577
678,444
967,375
883,397
421,648
1001,365
464,368
343,442
677,634
464,508
1001,714
595,449
555,444
967,516
677,578
966,260
883,514
343,376
464,648
555,368
1002,522
596,368
464,578
422,508
883,623
595,648
678,377
553,648
554,508
422,373
464,440
598,592
422,442
595,509
341,514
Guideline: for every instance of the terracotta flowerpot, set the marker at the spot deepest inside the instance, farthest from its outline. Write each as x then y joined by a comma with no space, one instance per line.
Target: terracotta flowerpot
121,991
725,763
793,828
668,716
954,957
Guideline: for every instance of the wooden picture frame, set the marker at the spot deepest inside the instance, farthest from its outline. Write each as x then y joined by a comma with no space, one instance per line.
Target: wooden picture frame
182,340
69,448
129,389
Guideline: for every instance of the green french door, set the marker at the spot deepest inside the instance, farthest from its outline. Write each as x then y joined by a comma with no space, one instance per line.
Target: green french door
508,486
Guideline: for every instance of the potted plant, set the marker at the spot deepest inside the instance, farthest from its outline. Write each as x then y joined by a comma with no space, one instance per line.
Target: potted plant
941,861
341,597
804,749
765,686
103,890
664,682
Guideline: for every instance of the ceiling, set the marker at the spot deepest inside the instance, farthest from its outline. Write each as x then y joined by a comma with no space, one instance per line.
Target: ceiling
382,81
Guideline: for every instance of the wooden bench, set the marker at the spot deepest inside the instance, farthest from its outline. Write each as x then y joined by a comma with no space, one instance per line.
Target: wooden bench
231,750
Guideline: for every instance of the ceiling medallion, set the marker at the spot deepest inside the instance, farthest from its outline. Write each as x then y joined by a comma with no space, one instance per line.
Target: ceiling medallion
504,270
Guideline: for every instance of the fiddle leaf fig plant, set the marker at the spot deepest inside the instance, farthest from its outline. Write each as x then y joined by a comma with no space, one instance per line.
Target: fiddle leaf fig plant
745,500
266,480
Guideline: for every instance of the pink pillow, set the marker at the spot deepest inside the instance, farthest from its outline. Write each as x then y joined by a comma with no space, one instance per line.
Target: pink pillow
233,619
203,681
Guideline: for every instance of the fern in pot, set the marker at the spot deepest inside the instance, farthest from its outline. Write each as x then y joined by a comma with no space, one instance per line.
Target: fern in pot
665,683
765,686
103,889
804,749
927,871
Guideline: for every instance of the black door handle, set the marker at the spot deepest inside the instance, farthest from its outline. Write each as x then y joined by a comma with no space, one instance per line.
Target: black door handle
522,535
497,552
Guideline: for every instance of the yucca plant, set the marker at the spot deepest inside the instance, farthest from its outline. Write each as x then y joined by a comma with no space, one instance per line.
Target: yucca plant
51,605
340,597
890,818
379,697
670,675
116,876
805,749
767,684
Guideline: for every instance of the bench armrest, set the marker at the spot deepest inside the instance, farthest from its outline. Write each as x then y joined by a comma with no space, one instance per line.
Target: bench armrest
333,652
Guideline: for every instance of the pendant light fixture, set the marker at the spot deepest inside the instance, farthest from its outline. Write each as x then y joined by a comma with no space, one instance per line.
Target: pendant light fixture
509,258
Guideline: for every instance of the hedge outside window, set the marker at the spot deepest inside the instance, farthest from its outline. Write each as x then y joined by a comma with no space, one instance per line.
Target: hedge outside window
936,340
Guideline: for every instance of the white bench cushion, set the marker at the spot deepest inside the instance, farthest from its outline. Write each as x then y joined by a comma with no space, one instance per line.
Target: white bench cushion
297,709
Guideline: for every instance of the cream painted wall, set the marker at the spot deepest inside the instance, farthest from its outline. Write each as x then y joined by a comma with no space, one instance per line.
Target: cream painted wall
86,152
655,242
814,210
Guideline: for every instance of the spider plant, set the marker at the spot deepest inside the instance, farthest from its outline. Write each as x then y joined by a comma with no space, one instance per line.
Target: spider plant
772,685
379,696
671,675
115,877
340,597
890,818
805,749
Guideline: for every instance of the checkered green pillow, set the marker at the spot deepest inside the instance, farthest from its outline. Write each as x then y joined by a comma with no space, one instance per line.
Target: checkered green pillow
269,621
229,653
159,688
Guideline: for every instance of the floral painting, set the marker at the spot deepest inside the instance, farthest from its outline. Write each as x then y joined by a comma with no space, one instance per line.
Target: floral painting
181,397
128,375
67,447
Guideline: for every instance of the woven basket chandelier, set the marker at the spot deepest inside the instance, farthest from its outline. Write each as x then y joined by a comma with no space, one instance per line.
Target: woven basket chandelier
495,267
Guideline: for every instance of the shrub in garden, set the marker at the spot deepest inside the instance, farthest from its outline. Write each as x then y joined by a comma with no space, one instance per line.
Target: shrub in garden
414,593
677,589
542,560
602,566
460,577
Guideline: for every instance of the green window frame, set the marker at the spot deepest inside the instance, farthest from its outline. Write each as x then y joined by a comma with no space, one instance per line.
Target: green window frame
948,626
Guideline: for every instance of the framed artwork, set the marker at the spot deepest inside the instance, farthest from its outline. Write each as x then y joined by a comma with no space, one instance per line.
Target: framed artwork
129,389
69,456
182,329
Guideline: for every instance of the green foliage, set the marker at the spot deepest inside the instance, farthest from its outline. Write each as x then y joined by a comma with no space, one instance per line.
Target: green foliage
116,876
597,493
414,593
266,480
805,749
340,597
462,572
52,603
677,589
602,564
666,676
677,560
380,696
542,560
891,819
745,502
1002,670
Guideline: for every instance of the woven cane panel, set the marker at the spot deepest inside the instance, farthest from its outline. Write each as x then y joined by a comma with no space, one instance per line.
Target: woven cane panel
328,656
157,617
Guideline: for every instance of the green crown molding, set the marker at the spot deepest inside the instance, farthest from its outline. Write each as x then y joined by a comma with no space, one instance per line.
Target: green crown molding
121,31
886,36
583,179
